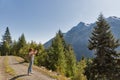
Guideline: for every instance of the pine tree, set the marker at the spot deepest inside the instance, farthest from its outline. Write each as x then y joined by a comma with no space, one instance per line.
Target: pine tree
5,48
59,51
33,44
102,41
21,44
14,48
81,65
22,40
7,36
41,55
70,61
56,55
6,44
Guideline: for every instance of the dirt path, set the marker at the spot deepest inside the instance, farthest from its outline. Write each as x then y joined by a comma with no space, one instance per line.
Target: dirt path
2,71
21,72
3,74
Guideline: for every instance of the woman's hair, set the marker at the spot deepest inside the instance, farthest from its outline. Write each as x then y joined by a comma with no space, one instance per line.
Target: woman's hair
30,49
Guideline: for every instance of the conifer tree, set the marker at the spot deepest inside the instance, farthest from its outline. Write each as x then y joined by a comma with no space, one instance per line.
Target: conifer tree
14,48
61,57
5,48
33,44
7,36
56,55
41,55
81,65
102,41
6,42
20,45
70,61
59,51
51,59
22,40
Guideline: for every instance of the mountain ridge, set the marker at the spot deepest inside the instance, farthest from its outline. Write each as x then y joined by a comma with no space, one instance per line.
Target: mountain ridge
78,36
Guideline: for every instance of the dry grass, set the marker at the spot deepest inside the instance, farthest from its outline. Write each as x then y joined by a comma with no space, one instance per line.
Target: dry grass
8,69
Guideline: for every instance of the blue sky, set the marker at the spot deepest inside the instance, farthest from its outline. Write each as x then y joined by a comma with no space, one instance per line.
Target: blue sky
40,20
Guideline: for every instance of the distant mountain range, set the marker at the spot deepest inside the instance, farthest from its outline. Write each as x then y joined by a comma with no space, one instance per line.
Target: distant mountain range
78,36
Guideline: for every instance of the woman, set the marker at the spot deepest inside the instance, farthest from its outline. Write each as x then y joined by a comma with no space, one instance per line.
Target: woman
31,55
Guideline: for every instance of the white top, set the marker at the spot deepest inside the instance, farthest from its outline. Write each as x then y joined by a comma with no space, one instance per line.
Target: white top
31,55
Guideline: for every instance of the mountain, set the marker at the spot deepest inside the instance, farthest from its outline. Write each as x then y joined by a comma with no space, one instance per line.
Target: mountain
78,36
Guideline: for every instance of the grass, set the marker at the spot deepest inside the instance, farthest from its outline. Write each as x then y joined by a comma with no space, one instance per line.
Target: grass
44,70
8,69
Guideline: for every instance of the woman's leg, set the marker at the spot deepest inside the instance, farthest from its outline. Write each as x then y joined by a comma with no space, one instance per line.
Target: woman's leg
30,67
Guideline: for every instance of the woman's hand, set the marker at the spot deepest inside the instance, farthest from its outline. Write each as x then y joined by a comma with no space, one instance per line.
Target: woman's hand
35,51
